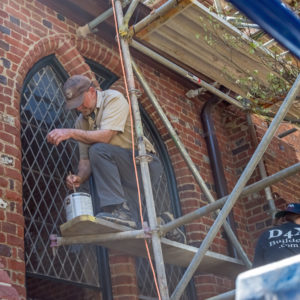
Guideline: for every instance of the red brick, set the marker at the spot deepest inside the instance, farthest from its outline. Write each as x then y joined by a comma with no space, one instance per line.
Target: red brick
14,58
124,279
20,290
16,14
15,241
3,14
12,130
3,182
34,37
14,218
16,265
13,174
9,228
26,11
18,278
4,251
126,289
20,232
4,278
38,27
12,151
67,52
8,293
79,70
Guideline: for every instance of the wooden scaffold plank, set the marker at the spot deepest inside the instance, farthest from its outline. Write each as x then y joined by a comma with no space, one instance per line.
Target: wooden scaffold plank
174,253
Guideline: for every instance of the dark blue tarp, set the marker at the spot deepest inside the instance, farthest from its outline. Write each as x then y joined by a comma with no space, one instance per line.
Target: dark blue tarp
276,19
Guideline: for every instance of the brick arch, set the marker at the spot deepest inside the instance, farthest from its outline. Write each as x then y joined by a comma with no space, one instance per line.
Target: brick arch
64,46
70,50
100,53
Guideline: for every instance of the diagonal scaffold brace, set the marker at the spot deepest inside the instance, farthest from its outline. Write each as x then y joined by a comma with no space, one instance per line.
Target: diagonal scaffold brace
236,192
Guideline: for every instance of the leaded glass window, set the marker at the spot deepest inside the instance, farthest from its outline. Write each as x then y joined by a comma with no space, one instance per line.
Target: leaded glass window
44,169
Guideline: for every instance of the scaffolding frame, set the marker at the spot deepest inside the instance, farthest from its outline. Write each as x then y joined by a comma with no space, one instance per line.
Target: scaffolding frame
225,204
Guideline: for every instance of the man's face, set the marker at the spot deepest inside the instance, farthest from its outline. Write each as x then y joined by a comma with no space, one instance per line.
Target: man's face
293,218
296,219
89,102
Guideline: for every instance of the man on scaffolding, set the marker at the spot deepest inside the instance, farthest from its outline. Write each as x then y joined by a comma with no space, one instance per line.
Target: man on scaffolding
103,132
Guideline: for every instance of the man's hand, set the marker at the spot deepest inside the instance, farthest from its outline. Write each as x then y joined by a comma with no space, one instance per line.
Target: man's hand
58,135
73,181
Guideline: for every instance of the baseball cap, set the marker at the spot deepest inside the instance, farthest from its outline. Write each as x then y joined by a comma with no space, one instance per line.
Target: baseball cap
74,89
291,208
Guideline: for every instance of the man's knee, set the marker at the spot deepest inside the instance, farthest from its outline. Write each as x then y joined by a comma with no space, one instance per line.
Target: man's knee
99,150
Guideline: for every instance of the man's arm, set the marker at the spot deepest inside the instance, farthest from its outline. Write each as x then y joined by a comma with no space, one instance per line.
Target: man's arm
88,137
84,172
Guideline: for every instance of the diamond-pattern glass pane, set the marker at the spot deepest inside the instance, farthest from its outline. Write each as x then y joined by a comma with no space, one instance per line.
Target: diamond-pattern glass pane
44,168
100,79
174,274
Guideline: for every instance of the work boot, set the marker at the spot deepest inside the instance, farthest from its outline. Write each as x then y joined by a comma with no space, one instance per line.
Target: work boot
120,215
176,234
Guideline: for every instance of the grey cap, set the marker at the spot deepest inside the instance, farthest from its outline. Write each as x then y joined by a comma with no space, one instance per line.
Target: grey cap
74,89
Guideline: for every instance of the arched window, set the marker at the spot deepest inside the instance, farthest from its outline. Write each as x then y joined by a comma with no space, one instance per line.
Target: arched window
44,169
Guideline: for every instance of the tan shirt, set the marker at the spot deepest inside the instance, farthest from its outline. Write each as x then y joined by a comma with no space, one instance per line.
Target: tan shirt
111,113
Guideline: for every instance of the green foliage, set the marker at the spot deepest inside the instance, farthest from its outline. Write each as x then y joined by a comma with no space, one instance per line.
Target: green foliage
262,89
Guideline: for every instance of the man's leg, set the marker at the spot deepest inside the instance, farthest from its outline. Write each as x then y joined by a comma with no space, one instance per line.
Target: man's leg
130,187
111,168
105,161
114,177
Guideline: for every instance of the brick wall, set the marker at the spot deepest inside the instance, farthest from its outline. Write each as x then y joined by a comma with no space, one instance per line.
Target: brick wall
7,292
30,31
251,213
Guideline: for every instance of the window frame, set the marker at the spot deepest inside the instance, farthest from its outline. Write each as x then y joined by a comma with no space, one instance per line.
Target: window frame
101,253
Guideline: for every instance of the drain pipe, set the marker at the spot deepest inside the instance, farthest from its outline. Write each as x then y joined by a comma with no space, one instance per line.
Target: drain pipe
216,160
262,169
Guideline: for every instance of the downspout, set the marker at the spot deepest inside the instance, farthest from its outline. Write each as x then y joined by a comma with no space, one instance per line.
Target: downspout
216,161
262,169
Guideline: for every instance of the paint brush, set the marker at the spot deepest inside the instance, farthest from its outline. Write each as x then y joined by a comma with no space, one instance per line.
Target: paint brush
74,189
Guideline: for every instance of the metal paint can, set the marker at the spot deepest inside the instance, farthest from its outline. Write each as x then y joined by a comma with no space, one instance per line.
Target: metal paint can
78,204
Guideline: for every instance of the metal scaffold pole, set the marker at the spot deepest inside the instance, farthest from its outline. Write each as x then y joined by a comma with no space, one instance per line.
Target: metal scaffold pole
253,188
200,212
156,243
155,14
235,194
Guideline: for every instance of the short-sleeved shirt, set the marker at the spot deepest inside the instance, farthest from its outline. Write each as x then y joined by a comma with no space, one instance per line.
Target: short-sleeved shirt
111,113
277,243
